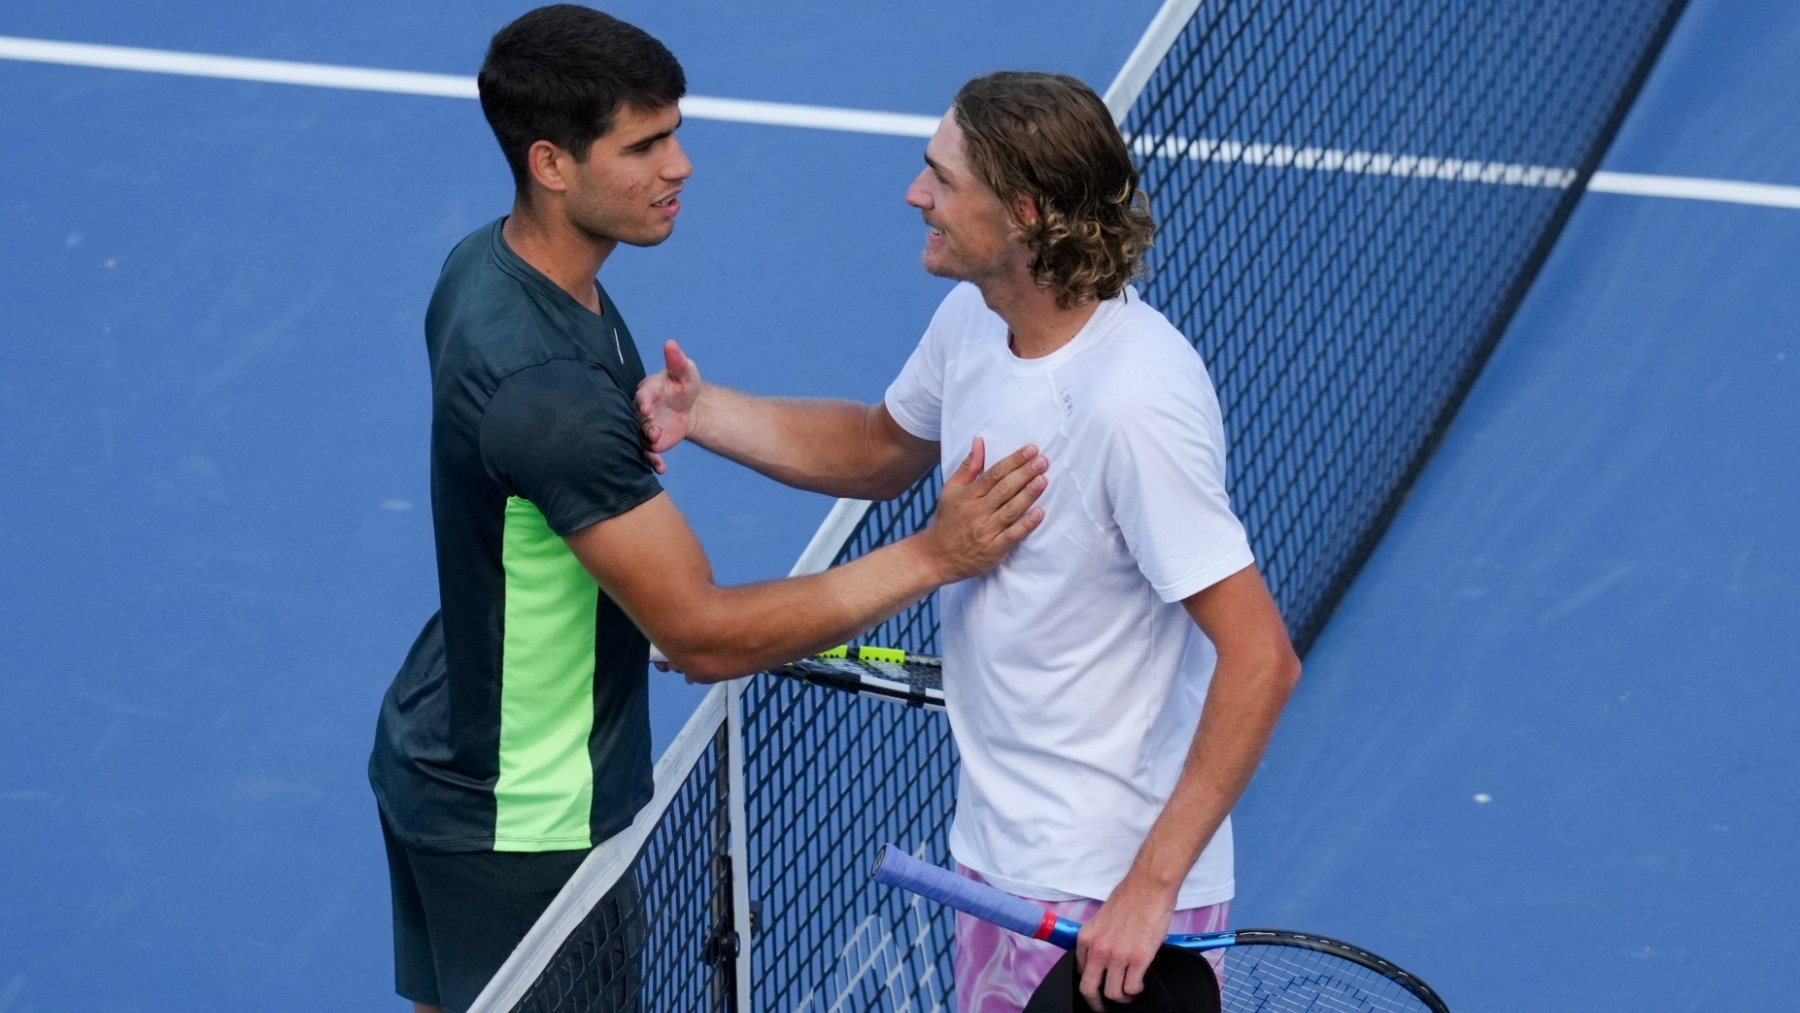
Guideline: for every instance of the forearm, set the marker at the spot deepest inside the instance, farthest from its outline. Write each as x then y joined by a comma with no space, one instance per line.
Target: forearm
1242,707
824,446
1255,675
649,562
735,631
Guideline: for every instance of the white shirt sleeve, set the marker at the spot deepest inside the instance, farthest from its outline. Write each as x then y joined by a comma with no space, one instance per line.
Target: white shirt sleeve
916,397
1165,479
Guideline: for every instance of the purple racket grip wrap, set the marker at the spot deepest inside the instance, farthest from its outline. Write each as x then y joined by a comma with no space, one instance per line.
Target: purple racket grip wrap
894,867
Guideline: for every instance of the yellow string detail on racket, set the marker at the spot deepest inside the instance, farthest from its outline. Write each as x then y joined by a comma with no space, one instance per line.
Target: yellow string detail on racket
891,655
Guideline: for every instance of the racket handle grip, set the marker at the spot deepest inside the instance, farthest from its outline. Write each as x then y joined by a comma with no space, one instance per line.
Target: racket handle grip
894,867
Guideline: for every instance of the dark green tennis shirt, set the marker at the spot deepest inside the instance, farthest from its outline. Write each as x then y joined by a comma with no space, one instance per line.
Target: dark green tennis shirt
519,720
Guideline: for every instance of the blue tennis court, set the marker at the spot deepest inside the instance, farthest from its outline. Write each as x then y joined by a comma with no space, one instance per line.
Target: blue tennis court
1545,742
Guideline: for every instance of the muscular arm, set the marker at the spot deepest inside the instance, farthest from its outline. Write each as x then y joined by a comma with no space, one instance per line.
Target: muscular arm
1256,672
649,561
839,448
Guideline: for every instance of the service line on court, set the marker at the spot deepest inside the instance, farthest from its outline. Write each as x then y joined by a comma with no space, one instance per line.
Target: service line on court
318,75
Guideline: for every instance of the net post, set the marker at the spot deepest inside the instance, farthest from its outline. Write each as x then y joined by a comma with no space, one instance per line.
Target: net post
736,812
1164,28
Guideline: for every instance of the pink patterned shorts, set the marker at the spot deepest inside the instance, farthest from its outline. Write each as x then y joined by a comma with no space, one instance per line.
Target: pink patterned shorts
998,969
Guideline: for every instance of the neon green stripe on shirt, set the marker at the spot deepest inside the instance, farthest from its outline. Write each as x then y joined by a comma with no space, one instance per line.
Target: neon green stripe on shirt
546,785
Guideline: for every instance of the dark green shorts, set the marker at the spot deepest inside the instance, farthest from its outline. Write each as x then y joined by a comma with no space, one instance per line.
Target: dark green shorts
457,918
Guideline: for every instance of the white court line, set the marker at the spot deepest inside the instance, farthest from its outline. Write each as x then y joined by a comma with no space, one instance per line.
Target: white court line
1372,163
892,124
1689,188
159,61
319,75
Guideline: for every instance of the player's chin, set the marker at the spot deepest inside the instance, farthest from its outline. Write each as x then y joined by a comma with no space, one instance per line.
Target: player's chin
651,236
938,266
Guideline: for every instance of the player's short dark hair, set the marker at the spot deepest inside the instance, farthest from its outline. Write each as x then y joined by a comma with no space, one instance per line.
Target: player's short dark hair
559,74
1048,137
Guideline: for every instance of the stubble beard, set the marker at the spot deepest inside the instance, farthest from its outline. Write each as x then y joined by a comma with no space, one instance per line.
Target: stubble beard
936,269
944,265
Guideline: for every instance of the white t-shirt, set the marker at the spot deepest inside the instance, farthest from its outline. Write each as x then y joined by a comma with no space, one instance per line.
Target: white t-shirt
1074,676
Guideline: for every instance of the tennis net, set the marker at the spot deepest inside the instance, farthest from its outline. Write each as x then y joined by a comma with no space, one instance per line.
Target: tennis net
1352,200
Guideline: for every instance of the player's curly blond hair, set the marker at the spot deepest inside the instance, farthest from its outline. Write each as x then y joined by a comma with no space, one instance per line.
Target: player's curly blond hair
1049,138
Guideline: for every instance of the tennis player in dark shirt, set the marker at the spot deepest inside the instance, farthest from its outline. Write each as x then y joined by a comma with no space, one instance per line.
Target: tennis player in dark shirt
515,736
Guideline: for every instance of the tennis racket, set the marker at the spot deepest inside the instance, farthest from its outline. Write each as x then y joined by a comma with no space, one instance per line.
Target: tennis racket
886,673
1258,969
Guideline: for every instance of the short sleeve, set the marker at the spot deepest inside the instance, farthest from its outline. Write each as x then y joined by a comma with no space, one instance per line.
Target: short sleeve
1165,479
916,397
563,435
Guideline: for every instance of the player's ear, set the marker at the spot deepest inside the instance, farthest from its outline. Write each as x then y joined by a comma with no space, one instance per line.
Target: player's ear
1025,214
549,165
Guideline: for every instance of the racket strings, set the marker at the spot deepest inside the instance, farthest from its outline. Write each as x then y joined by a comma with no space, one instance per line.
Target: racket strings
1259,977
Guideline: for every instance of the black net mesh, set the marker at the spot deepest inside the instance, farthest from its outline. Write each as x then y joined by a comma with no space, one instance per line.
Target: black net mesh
1351,200
833,776
654,941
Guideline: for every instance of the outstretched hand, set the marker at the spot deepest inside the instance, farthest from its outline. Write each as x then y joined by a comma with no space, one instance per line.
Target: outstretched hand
981,516
668,404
